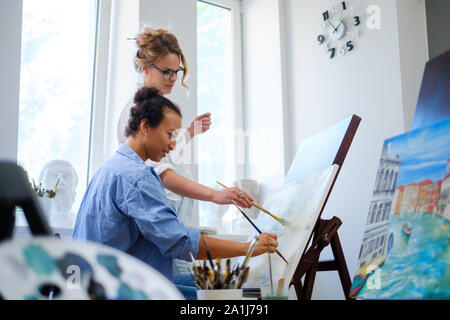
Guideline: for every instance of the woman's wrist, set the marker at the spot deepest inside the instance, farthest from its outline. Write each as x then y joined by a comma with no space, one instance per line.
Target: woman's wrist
189,133
245,246
213,195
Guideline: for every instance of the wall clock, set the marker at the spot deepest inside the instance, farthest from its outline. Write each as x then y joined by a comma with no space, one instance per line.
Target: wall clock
338,29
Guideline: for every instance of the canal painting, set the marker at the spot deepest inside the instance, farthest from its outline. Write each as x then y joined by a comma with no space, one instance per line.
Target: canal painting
405,247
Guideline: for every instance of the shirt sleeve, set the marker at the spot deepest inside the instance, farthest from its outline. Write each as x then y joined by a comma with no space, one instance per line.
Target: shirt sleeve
147,205
160,166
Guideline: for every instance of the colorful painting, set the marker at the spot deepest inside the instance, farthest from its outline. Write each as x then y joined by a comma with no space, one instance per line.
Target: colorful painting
405,251
299,202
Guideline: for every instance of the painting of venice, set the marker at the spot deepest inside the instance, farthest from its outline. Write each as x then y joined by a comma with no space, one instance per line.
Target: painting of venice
405,248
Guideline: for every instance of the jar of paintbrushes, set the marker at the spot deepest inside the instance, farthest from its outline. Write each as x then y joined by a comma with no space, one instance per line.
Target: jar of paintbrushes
214,283
45,197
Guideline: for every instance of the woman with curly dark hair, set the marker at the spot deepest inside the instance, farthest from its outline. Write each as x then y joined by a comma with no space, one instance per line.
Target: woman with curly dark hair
125,205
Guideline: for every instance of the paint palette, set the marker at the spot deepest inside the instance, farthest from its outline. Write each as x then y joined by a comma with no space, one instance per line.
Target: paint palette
51,268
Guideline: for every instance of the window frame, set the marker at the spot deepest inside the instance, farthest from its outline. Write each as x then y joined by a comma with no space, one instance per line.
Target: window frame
99,80
99,87
236,75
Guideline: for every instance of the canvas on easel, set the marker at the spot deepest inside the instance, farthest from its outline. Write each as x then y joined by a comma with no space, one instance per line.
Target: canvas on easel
301,200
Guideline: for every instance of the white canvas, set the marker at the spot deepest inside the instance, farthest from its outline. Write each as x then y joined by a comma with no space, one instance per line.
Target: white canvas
299,202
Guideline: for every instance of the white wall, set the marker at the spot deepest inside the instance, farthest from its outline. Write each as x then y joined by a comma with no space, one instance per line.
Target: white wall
180,18
10,44
122,78
129,18
264,99
413,45
322,91
379,81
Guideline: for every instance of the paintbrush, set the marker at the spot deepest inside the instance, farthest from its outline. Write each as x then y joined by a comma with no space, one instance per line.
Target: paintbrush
257,229
270,274
227,275
279,219
217,276
194,265
208,253
195,279
280,287
250,250
205,275
242,278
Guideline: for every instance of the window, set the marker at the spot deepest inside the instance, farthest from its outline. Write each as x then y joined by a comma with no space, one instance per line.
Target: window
218,53
380,179
57,63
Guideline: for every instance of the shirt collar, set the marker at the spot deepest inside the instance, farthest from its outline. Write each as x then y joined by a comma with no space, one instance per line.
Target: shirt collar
126,150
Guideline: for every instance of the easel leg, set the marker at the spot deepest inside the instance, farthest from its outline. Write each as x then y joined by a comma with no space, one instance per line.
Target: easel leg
341,265
309,282
298,288
325,234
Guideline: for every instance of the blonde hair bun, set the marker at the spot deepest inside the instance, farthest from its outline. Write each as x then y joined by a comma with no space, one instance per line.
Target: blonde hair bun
145,38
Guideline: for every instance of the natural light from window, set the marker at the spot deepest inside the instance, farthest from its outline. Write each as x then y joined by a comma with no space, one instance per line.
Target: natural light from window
215,95
55,90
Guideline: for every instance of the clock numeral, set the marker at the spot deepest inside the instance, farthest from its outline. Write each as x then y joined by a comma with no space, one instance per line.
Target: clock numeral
321,39
341,51
344,6
357,21
350,46
326,16
333,51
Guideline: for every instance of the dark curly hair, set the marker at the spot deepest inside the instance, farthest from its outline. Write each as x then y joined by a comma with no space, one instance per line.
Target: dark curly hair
149,104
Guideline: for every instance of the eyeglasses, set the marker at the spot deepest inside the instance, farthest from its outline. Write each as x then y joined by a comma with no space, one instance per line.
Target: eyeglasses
168,73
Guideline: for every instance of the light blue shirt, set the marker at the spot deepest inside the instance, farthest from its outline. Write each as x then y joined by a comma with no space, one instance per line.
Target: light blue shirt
125,207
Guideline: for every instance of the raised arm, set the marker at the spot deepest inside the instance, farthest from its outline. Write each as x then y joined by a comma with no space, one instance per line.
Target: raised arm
199,125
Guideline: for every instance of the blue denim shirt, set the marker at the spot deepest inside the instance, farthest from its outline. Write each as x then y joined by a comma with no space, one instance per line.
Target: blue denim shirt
125,207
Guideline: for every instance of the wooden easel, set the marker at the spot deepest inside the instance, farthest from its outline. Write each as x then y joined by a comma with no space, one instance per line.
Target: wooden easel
325,233
338,139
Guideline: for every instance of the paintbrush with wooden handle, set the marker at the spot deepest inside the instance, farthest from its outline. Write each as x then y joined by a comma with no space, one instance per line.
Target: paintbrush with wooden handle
279,219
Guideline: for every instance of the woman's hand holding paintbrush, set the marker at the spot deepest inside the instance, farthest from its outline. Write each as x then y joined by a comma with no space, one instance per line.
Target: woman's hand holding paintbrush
232,194
209,246
267,243
252,203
